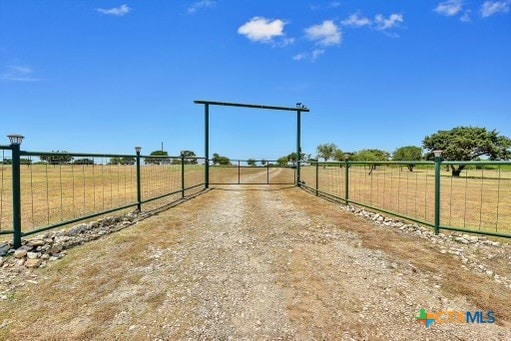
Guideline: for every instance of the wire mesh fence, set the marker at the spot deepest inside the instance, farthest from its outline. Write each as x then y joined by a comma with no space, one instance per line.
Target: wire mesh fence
60,188
246,172
5,190
478,200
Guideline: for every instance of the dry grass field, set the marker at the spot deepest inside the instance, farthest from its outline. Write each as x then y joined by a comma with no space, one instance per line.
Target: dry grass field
478,200
52,194
259,263
258,175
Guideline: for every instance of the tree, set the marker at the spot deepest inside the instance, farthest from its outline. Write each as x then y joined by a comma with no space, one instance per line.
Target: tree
189,157
292,158
251,162
263,162
339,155
54,159
467,144
158,160
282,161
220,160
126,160
371,155
408,153
84,161
326,151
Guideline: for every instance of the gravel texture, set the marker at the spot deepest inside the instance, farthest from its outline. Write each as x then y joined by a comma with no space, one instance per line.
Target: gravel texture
248,263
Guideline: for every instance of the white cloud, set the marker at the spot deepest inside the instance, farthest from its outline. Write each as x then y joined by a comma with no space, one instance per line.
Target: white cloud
332,4
312,56
19,74
449,7
301,56
355,20
466,16
490,8
325,34
117,11
201,5
392,21
262,30
316,53
286,41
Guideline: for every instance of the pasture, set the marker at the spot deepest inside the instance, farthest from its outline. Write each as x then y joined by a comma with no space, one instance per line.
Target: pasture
479,200
54,193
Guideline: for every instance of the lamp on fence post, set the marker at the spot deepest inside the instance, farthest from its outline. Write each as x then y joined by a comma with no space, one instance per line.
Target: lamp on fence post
438,164
139,191
15,141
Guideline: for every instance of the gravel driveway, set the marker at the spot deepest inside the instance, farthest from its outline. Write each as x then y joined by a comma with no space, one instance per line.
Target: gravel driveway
246,263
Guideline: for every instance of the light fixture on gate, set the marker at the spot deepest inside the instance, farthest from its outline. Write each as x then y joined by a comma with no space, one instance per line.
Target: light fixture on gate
437,153
138,149
16,139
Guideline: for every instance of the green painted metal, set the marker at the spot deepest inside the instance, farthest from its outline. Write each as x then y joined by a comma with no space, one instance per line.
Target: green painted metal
139,185
438,165
16,195
299,109
475,163
182,176
298,145
317,178
486,233
254,106
6,231
169,194
75,220
33,153
422,222
239,172
206,144
346,182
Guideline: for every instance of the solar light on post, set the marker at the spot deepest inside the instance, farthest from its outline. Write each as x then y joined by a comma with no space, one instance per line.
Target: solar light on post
15,141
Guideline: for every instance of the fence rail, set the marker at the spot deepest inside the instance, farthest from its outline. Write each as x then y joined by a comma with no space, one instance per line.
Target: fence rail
253,172
477,201
42,190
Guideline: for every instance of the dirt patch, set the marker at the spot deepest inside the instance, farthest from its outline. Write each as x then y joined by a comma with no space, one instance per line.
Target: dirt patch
256,262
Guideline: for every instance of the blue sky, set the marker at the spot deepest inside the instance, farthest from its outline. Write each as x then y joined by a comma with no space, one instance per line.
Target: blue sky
104,76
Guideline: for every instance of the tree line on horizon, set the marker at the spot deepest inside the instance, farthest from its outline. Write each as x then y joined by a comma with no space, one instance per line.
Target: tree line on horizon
458,144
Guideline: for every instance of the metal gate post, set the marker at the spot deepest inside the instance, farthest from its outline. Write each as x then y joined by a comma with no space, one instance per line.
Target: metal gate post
139,180
347,182
298,144
206,144
182,175
16,189
317,177
438,165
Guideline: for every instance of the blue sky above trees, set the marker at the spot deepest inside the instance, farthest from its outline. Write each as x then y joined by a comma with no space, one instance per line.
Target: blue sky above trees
104,76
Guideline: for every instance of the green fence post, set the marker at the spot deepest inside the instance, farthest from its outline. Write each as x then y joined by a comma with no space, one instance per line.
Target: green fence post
347,182
206,145
317,177
16,188
438,165
182,176
239,172
298,145
139,180
267,173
